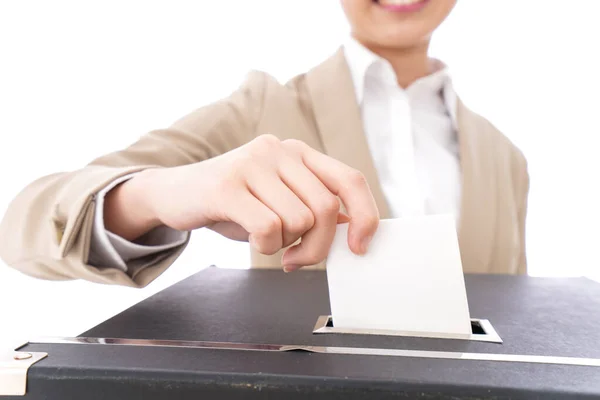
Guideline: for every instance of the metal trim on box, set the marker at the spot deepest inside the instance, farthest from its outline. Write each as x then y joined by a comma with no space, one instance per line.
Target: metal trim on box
13,371
324,325
515,358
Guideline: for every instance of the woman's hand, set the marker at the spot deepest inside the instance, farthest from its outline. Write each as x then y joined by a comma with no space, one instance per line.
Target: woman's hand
269,192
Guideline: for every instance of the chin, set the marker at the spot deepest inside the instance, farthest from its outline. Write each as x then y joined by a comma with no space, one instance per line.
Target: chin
400,38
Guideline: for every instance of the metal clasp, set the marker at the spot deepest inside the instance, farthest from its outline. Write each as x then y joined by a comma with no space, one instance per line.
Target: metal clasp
13,371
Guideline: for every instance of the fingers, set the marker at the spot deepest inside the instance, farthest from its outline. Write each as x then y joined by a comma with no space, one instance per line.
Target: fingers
323,205
263,225
352,188
288,191
272,216
295,216
230,230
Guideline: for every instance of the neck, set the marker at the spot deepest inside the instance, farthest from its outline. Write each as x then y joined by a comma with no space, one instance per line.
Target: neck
409,63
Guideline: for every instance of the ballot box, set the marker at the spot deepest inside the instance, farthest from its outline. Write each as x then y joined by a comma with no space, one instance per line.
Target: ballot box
258,334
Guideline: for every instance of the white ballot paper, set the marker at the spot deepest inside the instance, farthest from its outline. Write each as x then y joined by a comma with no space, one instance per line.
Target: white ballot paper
411,279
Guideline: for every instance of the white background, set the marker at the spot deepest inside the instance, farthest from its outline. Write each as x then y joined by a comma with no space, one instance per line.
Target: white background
79,79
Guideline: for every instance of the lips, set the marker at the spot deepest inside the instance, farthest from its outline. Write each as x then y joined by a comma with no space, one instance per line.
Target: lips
401,5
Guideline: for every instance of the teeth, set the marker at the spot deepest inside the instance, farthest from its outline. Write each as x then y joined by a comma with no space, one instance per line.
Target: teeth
399,2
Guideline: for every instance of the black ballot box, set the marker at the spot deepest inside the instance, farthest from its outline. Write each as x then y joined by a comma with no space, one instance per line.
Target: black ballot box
260,334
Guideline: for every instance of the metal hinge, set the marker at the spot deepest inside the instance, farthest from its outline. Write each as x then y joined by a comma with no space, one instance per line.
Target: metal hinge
13,371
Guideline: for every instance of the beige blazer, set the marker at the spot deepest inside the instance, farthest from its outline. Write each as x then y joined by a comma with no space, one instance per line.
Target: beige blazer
46,230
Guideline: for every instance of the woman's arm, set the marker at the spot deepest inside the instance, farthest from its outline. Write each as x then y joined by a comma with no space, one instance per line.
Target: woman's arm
46,229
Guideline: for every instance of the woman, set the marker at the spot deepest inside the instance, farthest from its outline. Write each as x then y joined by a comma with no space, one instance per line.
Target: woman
377,126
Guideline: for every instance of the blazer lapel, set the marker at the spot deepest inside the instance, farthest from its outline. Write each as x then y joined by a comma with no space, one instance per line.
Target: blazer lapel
339,121
340,127
479,192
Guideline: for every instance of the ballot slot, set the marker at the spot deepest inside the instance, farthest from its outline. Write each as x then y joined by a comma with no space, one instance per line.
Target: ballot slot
481,331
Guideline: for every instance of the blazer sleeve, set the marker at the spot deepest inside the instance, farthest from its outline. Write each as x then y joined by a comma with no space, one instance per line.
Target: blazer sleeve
46,230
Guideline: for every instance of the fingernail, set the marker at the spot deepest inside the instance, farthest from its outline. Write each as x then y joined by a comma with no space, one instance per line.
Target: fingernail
343,218
365,244
290,268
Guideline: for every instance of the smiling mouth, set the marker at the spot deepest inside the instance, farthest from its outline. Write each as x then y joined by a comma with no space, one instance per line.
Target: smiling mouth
401,5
